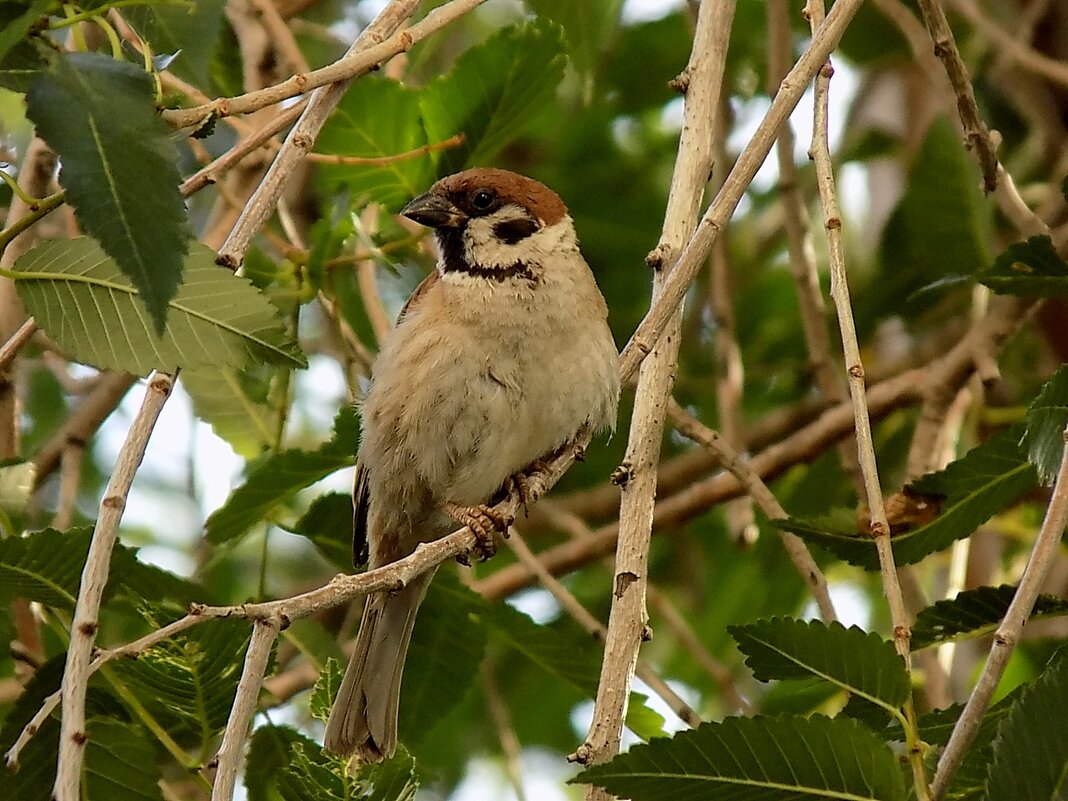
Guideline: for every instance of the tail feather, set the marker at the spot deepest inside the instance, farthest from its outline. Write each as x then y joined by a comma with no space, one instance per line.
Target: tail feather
364,716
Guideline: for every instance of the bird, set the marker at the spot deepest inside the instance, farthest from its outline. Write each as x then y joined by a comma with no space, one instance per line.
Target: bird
501,357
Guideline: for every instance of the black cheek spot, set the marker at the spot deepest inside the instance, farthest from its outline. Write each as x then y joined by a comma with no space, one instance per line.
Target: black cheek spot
512,231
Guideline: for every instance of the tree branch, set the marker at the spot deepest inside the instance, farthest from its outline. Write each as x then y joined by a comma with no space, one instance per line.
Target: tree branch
302,136
371,50
976,135
726,201
1043,554
628,619
264,632
73,735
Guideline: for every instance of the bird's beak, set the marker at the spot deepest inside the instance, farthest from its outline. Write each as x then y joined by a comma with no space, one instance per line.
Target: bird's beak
433,211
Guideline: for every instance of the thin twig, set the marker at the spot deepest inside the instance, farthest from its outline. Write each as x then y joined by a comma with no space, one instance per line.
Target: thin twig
281,37
689,640
367,276
70,478
575,527
502,722
94,577
689,426
380,161
628,619
264,632
82,423
698,496
976,134
574,608
821,156
15,342
1009,46
730,373
342,589
1043,554
741,175
302,136
211,173
35,213
803,266
880,528
353,64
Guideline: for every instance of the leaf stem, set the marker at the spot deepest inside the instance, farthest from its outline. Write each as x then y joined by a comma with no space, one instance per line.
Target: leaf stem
91,14
113,37
38,209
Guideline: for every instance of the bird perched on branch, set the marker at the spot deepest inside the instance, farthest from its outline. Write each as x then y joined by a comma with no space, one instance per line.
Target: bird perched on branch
501,357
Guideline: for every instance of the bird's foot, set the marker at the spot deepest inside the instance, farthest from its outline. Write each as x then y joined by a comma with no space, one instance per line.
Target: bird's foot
484,521
519,484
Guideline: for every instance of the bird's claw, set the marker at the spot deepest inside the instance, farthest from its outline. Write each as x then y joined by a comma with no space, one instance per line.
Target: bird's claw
484,522
519,484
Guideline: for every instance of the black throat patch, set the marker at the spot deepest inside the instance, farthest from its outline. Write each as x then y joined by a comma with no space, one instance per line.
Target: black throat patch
451,244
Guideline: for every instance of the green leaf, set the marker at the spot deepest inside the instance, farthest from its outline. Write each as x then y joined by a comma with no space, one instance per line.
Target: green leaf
376,118
270,751
280,476
328,524
939,226
1031,749
190,680
20,59
119,168
120,764
325,689
190,29
1031,269
587,25
46,566
1046,418
313,773
935,730
235,404
974,613
985,481
495,90
17,25
860,662
755,759
82,301
657,47
448,644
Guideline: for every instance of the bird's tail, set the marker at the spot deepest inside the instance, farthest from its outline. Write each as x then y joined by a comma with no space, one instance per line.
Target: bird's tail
364,716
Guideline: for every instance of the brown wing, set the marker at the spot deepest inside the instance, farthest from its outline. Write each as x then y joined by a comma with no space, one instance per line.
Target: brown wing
419,293
361,500
361,497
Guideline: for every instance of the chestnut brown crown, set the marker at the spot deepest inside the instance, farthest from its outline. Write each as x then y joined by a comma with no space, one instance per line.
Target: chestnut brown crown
481,191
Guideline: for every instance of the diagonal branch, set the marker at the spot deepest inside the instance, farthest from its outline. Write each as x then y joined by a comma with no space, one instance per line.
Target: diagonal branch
302,136
371,51
628,619
976,135
1043,554
726,201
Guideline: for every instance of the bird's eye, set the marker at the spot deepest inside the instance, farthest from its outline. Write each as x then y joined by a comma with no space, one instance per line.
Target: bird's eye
482,199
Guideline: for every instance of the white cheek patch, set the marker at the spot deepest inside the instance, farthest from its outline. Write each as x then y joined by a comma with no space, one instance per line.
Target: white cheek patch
483,246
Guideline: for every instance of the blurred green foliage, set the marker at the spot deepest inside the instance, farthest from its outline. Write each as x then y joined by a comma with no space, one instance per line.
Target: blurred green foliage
578,95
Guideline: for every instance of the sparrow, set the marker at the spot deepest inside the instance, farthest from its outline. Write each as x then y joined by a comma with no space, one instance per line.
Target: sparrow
501,357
